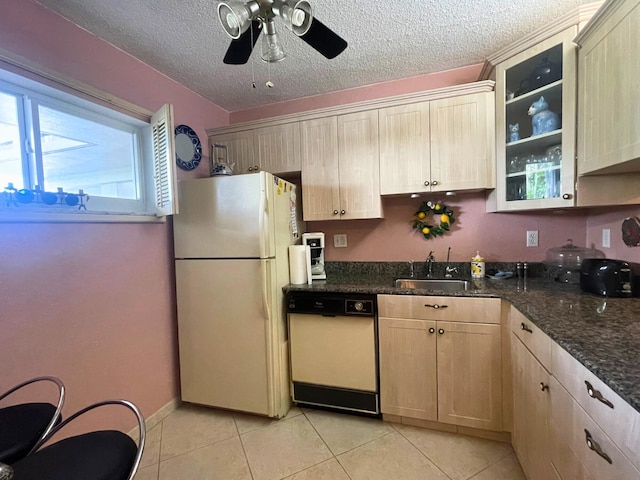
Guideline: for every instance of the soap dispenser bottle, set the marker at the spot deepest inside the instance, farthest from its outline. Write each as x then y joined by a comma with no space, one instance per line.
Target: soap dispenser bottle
477,266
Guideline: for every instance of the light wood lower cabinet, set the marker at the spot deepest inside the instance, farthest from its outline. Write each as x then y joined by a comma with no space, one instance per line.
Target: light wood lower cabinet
440,370
531,407
567,424
580,449
408,377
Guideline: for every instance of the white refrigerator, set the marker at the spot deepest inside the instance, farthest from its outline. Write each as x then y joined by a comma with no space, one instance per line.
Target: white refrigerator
231,242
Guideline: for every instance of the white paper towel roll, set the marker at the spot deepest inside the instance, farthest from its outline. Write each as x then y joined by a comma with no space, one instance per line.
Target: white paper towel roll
298,264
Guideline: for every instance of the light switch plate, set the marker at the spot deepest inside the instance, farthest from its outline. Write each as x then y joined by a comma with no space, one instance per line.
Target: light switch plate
606,238
340,240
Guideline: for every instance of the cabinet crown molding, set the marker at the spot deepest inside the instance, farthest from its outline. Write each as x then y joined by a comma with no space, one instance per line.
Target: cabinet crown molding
606,11
576,17
426,95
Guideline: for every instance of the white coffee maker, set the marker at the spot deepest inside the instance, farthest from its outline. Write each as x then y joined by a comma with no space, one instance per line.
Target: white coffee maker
315,240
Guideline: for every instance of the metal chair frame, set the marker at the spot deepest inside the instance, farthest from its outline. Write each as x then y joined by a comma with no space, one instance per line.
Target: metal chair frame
142,433
56,414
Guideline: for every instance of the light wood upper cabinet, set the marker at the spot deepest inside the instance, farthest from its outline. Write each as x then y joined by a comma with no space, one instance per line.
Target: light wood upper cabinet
358,165
278,148
405,156
462,142
340,175
609,93
240,150
320,178
536,169
444,144
434,369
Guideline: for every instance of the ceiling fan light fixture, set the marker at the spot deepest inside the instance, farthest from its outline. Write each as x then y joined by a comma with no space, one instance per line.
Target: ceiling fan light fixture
271,48
235,16
296,15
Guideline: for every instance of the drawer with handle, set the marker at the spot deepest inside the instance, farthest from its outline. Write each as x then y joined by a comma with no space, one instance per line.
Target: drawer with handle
533,338
461,309
580,449
619,419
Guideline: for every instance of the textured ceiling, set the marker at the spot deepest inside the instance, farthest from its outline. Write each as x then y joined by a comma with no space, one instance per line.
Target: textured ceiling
387,41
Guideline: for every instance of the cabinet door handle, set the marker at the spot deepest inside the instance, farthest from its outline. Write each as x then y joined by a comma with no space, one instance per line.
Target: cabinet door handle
255,168
426,184
441,331
434,183
593,393
251,169
593,445
544,386
342,212
436,306
432,330
335,212
526,328
567,196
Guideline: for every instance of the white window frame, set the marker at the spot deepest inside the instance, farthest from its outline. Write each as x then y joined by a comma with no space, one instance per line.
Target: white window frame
155,168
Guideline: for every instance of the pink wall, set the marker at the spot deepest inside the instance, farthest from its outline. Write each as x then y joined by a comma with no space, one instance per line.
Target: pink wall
418,83
93,303
498,236
612,218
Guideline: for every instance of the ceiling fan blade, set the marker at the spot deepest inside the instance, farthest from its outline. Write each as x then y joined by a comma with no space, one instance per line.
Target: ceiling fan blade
324,40
240,49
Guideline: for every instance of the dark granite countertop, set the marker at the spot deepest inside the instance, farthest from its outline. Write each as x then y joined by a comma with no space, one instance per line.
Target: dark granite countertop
601,333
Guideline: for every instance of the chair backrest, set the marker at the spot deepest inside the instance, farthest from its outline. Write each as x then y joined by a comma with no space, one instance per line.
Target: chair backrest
55,417
141,428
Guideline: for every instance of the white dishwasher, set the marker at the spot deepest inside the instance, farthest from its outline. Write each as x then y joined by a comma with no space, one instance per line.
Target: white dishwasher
333,350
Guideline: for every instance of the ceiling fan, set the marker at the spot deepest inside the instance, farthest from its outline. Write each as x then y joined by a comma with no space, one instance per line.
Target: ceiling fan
244,21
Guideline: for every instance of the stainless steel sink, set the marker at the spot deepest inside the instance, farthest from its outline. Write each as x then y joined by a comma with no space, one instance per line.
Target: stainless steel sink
446,284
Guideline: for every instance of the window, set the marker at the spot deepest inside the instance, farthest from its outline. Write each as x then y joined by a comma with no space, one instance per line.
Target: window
54,143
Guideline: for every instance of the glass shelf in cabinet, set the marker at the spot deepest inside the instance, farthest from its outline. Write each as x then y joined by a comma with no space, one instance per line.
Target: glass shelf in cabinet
541,142
524,172
550,91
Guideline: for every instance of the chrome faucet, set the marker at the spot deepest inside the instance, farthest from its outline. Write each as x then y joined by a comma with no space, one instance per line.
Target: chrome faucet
428,263
448,269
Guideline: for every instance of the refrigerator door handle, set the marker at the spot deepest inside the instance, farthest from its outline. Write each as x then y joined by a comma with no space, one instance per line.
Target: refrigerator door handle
265,200
266,288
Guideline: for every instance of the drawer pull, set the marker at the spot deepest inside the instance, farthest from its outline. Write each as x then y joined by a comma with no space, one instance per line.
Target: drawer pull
436,306
524,327
441,331
432,330
544,386
593,445
593,393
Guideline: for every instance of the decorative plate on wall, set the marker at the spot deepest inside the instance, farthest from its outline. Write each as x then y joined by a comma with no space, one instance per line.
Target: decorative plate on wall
188,148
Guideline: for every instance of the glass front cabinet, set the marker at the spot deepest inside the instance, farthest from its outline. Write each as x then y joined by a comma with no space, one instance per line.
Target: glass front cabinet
536,126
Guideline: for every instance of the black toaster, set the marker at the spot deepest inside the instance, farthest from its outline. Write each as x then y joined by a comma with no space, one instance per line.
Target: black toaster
611,278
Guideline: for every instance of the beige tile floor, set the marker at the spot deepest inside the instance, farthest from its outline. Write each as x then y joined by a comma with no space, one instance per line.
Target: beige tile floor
197,443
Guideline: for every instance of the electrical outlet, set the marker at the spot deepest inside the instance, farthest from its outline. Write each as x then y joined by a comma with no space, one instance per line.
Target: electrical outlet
532,238
340,240
606,238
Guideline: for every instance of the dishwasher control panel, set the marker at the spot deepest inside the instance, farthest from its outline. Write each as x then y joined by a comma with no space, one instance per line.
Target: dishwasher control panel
322,303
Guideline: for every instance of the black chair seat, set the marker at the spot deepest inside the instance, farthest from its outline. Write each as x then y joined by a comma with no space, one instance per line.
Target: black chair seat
21,426
101,455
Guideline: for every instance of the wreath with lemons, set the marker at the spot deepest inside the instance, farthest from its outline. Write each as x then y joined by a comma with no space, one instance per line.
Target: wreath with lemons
440,212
